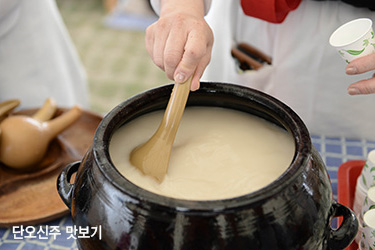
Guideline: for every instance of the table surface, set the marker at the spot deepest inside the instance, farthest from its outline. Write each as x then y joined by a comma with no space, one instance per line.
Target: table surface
58,234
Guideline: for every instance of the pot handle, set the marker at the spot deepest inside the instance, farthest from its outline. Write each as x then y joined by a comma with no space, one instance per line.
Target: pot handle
343,236
64,187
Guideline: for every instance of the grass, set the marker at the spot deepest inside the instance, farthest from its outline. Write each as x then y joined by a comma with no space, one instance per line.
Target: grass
116,61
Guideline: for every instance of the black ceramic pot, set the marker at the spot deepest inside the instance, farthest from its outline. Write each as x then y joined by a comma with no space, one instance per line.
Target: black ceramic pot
293,212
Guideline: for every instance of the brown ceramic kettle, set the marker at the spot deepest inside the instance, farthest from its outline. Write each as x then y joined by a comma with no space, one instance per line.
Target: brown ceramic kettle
24,140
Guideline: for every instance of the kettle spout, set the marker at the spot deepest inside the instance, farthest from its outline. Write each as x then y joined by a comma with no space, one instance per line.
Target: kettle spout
60,123
47,111
7,106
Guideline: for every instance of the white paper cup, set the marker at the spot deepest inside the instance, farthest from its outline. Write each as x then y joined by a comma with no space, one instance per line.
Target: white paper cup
368,230
359,199
360,246
367,176
354,39
369,202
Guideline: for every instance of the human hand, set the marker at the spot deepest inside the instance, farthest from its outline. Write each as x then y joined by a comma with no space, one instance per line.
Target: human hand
180,42
359,66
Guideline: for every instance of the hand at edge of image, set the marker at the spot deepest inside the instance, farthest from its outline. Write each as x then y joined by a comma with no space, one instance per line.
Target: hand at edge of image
180,42
359,66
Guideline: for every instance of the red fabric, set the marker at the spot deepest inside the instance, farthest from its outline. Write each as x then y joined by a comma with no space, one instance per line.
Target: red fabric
274,11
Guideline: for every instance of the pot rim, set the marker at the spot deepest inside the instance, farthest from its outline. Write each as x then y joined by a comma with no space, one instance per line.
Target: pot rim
264,102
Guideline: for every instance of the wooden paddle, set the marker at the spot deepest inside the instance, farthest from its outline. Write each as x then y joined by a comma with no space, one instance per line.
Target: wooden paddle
152,157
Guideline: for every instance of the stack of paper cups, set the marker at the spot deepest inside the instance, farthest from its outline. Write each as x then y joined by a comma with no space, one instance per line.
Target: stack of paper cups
364,182
368,230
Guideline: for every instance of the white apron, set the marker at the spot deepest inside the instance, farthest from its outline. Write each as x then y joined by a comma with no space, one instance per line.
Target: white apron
307,73
37,57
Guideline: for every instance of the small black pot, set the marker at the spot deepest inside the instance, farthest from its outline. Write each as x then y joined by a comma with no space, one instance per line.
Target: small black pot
293,212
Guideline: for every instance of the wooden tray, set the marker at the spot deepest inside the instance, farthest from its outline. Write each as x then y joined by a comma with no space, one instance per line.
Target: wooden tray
29,198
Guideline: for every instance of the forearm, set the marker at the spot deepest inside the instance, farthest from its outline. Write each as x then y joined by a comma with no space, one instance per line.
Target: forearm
188,5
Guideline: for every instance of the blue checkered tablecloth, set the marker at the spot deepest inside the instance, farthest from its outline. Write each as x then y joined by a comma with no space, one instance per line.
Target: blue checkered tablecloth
337,150
57,234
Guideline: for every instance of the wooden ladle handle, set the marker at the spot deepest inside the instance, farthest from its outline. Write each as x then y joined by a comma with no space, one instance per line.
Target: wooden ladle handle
47,111
174,111
152,157
7,106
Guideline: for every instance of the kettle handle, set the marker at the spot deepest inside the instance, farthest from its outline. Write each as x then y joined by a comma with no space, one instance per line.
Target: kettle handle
64,187
343,236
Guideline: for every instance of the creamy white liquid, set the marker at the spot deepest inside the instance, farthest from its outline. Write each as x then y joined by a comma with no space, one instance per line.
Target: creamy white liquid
218,153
